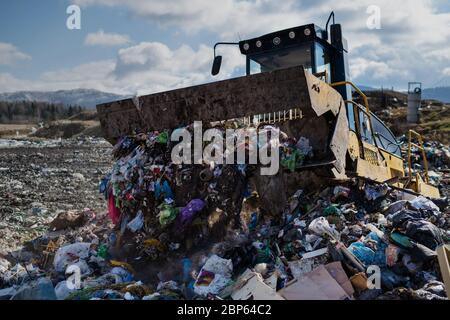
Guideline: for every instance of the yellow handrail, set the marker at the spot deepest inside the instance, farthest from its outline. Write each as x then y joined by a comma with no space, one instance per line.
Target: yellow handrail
420,147
366,101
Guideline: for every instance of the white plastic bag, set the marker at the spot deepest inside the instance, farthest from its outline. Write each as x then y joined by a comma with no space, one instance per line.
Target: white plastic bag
70,254
423,203
376,191
320,226
222,269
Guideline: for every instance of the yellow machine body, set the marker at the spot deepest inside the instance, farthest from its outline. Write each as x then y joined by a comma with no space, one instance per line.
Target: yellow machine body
377,164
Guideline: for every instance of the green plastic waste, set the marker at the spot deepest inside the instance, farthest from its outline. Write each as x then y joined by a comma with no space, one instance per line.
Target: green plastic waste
331,211
167,214
163,137
401,240
102,251
263,255
294,160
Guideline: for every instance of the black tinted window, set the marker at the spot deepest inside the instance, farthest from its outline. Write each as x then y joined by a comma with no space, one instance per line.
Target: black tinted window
384,137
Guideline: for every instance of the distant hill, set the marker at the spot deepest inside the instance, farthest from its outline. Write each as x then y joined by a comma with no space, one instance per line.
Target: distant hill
438,93
86,98
89,98
366,88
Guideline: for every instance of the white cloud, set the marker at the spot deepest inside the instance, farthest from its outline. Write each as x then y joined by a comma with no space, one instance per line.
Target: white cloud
141,69
152,66
10,55
9,83
95,75
379,70
412,45
100,38
414,39
227,17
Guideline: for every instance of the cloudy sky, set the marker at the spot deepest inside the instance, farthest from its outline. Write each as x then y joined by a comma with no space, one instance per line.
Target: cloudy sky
144,46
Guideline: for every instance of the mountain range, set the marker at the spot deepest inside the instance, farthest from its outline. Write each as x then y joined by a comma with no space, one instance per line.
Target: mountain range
87,98
438,93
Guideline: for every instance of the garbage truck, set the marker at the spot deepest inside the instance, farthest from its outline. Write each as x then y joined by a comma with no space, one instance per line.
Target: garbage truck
298,79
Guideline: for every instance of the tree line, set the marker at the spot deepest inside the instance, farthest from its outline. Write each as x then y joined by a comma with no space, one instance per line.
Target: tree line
33,111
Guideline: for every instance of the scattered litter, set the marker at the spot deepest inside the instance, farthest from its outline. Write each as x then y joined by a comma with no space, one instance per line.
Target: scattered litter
214,276
250,286
204,232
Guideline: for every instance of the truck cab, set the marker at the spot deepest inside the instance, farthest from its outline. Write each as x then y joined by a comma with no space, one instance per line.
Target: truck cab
303,45
322,52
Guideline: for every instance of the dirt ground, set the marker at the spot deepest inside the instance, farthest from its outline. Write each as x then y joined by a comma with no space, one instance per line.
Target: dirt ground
11,130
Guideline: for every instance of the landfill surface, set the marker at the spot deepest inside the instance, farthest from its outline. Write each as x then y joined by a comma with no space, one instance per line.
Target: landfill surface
81,220
41,178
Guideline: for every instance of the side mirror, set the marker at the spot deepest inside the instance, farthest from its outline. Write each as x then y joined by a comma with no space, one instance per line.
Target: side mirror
216,65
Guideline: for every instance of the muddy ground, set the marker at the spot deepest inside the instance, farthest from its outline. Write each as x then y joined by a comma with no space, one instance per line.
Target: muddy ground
41,178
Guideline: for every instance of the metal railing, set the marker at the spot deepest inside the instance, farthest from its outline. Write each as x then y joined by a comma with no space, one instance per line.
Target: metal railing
273,117
365,100
420,147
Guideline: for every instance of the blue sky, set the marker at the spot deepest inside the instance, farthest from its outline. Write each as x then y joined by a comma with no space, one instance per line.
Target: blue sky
142,46
41,32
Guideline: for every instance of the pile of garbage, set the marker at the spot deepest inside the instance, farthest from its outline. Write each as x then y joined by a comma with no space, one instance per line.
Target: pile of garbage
201,232
179,206
438,162
437,154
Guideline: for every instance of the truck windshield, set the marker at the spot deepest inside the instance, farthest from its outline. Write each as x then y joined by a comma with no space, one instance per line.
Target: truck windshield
284,58
384,137
322,62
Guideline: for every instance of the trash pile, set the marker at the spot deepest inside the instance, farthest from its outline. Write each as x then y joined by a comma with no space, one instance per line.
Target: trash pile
438,161
201,232
438,155
179,206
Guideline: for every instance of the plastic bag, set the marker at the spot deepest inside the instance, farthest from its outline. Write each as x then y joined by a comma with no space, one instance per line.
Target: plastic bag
320,226
62,290
137,223
113,211
163,137
214,276
375,192
341,191
363,253
188,213
423,203
167,214
331,211
304,147
70,254
366,254
163,190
